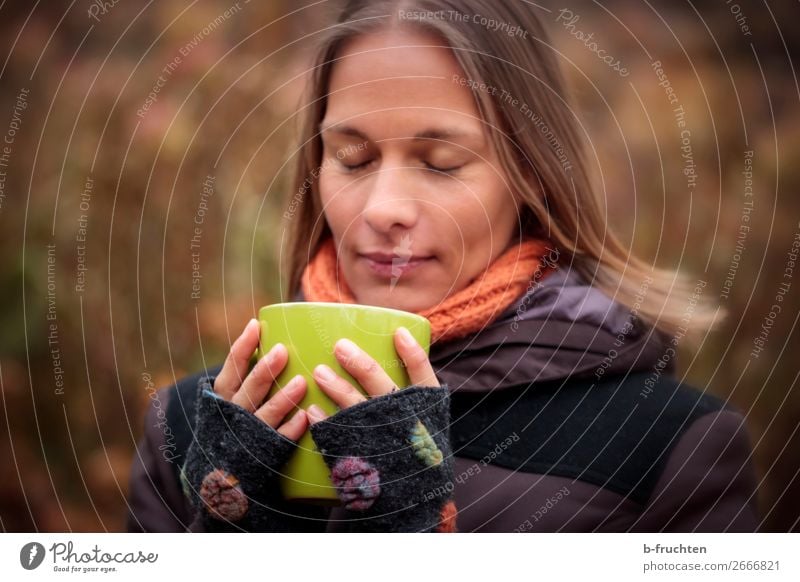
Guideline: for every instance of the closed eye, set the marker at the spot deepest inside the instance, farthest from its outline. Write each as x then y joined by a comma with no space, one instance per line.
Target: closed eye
362,165
449,170
355,167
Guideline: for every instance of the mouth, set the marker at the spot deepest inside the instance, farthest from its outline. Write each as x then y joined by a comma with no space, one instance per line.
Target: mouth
389,266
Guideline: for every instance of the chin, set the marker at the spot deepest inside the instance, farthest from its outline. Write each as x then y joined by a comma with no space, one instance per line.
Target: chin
397,298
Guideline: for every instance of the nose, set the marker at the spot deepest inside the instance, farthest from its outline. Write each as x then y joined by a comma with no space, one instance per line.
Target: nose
392,200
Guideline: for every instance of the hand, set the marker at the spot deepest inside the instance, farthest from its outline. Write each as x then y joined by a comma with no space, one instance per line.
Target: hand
249,392
369,374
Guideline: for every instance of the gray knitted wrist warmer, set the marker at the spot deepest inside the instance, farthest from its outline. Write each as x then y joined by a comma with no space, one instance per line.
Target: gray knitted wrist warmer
231,467
387,455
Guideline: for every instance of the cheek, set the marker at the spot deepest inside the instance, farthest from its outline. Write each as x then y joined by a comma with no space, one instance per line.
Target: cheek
499,207
339,208
487,221
479,215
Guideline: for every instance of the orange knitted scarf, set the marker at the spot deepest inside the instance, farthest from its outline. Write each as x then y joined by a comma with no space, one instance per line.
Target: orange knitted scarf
466,311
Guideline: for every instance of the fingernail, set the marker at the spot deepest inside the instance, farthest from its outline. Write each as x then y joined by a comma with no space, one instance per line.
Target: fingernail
250,323
273,353
325,373
316,412
244,332
295,382
347,348
406,337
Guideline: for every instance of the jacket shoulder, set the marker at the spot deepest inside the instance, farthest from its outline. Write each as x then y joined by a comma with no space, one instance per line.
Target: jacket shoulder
615,433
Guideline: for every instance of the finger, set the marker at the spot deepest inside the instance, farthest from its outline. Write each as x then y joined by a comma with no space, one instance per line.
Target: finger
257,384
234,369
316,414
295,427
367,372
283,402
417,363
342,392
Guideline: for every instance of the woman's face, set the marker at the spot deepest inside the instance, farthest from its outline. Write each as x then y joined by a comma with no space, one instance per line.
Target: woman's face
411,187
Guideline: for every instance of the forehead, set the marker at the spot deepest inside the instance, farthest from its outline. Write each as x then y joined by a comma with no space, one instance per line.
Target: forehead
399,77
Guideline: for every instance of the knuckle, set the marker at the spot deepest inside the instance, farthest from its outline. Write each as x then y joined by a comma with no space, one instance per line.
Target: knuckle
371,366
269,408
262,369
417,357
265,418
250,381
344,387
273,403
291,399
246,400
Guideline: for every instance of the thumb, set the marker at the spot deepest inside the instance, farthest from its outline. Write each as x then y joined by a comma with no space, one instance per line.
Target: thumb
315,414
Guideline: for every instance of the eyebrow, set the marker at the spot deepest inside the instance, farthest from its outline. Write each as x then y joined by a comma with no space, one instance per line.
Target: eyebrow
433,133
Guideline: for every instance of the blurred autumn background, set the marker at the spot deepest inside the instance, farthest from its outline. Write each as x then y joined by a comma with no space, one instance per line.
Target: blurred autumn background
102,188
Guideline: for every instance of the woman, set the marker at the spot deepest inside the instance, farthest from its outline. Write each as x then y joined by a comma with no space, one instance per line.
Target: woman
426,182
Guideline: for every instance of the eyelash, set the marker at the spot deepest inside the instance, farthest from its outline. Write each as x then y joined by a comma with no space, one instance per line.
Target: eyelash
362,165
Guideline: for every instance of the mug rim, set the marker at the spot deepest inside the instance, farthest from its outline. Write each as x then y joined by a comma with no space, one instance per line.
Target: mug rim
290,305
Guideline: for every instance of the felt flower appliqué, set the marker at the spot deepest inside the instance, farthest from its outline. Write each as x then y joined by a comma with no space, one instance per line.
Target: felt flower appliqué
357,482
223,496
447,518
424,446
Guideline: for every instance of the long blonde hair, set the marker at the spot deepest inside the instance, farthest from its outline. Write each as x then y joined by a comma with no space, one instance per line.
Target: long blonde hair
540,146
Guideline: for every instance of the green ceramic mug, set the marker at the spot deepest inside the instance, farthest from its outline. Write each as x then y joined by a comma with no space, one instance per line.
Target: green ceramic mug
309,330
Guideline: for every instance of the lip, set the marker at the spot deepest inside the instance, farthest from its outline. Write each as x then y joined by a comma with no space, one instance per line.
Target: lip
391,266
389,257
